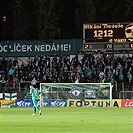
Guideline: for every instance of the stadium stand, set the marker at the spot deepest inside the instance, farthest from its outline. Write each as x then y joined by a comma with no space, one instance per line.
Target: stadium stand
91,68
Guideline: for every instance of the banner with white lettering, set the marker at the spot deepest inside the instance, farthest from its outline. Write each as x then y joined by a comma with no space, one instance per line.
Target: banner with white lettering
58,103
46,103
33,48
127,103
24,103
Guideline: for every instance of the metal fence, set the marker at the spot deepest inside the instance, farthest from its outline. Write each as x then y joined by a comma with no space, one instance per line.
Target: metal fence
126,95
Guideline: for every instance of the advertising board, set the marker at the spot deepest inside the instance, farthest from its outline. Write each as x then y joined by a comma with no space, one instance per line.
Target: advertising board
93,103
7,103
24,103
127,103
46,103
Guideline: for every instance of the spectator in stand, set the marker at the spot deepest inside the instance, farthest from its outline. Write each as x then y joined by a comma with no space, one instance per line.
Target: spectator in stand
79,70
34,81
77,80
94,75
65,68
10,73
54,61
74,61
3,84
91,68
130,77
15,62
3,64
121,77
29,61
48,61
101,74
14,82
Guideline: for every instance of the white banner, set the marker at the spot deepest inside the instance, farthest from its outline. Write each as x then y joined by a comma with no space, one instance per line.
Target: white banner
1,95
10,96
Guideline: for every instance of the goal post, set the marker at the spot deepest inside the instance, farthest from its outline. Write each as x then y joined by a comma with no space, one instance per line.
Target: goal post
81,91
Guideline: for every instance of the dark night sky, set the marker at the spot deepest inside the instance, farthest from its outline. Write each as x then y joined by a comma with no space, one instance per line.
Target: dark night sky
67,23
4,6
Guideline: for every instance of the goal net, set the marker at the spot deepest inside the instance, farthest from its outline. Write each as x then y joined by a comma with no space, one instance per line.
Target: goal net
81,91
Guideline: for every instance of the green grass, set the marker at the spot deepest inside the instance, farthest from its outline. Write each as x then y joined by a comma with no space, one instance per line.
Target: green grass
67,120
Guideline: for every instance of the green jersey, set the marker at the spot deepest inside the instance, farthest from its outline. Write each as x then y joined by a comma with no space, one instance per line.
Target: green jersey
34,93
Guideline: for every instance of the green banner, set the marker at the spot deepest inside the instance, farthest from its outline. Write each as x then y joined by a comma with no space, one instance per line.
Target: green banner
33,48
90,94
27,94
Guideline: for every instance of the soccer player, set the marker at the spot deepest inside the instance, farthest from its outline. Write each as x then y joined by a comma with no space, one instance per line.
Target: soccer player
35,97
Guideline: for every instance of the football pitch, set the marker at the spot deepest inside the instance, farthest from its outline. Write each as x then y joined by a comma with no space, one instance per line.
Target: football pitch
67,120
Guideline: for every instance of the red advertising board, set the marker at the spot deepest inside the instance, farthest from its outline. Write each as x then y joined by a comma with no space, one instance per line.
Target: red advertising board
127,103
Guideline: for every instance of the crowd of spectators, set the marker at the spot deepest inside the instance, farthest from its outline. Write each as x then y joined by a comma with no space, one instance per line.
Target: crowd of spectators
89,69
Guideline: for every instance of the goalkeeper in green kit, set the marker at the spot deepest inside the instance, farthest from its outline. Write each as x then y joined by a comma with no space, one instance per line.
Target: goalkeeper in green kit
35,97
